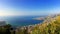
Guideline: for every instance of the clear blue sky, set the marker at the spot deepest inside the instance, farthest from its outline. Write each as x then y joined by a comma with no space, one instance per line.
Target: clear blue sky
29,7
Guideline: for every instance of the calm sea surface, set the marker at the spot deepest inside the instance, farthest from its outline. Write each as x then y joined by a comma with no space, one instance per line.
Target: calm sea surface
21,20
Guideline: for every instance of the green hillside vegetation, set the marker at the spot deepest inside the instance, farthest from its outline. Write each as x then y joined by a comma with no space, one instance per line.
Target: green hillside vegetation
51,25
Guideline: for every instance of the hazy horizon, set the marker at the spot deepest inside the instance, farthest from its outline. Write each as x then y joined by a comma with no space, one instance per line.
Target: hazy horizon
29,7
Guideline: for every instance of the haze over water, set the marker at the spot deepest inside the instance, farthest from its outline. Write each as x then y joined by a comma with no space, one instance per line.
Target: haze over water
21,20
21,12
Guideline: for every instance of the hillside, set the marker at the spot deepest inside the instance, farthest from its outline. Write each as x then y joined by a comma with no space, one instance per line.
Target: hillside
51,25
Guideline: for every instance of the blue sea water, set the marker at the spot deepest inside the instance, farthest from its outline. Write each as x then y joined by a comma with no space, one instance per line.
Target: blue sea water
21,20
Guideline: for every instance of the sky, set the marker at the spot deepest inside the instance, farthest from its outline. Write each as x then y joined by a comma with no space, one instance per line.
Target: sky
29,7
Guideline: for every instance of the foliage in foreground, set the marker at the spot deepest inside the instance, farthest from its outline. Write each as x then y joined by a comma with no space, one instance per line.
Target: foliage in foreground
50,26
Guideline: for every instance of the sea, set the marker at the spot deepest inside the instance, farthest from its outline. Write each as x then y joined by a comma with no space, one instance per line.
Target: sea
21,20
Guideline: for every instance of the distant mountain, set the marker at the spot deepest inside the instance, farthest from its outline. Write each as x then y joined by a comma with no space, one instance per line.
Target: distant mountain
39,18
